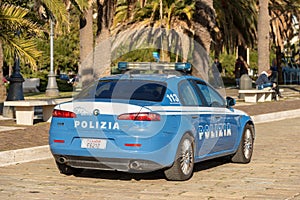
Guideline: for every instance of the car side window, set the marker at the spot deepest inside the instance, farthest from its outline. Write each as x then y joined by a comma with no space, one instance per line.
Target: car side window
213,98
187,94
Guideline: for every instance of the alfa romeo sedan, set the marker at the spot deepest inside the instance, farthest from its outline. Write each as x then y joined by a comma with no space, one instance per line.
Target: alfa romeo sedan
140,122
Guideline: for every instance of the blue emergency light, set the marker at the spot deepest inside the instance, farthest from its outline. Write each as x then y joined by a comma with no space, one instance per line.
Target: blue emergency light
186,67
122,66
144,66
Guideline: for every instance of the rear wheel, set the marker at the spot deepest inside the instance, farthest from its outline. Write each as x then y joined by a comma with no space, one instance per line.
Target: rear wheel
68,170
183,166
245,149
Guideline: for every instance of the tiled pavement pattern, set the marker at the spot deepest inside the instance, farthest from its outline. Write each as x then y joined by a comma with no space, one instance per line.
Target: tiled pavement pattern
273,174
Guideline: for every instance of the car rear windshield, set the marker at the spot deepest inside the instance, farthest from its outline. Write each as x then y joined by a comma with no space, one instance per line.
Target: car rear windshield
125,89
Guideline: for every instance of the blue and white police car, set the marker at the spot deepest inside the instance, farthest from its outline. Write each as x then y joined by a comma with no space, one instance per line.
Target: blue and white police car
139,122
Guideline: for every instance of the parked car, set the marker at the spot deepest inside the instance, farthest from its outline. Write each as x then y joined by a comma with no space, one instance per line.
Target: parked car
145,122
64,77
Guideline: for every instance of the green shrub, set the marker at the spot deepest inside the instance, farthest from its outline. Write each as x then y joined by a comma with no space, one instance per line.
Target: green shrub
64,86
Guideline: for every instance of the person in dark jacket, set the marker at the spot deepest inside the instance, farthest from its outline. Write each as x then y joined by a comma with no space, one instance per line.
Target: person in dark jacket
263,81
244,66
241,67
218,65
237,72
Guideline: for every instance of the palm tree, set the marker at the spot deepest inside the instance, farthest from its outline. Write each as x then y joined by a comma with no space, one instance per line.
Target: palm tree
125,12
102,50
105,15
161,17
13,22
148,14
192,22
87,71
263,36
283,14
236,23
86,40
203,23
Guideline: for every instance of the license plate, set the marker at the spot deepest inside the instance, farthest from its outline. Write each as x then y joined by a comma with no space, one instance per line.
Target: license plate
93,143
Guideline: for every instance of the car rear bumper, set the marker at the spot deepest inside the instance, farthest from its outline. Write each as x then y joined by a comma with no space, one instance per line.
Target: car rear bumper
118,164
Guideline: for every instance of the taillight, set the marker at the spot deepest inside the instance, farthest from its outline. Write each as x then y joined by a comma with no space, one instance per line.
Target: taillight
63,114
147,116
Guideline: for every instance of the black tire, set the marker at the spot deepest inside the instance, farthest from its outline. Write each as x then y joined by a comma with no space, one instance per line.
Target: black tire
68,170
245,149
183,166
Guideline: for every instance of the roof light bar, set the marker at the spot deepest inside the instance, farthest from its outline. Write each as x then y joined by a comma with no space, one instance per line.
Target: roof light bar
144,66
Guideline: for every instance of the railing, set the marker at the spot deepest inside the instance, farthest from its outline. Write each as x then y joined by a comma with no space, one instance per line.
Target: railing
291,75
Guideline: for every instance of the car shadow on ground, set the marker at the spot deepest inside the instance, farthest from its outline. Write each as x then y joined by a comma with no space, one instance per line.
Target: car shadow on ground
116,175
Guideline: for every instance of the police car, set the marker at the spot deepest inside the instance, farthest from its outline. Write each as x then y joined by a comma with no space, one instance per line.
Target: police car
140,122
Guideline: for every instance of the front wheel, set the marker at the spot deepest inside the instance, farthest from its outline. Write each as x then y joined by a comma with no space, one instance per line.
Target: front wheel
183,166
245,149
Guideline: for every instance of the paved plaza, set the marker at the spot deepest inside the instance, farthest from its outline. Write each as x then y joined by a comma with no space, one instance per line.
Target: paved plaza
274,173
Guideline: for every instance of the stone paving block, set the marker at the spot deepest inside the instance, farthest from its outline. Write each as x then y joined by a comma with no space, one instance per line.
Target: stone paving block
274,173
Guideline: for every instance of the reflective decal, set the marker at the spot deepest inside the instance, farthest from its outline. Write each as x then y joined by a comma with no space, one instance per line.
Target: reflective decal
173,98
96,125
214,131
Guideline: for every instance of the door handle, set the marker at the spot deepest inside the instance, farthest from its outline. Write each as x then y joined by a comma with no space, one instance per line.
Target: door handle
217,117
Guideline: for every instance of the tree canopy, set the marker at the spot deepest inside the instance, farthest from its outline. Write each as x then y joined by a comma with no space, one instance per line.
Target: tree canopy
24,27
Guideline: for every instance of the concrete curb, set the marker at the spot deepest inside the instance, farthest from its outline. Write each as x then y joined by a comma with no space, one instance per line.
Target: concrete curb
43,152
276,116
24,155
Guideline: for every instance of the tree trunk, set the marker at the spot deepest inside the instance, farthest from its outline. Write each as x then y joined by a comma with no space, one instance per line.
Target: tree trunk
203,23
102,54
2,86
263,36
85,69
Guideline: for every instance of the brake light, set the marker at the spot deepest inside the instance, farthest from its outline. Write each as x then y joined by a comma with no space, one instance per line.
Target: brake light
147,116
132,145
59,141
63,114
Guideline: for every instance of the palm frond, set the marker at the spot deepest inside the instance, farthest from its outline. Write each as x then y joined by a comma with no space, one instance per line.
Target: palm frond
25,48
58,10
17,32
12,18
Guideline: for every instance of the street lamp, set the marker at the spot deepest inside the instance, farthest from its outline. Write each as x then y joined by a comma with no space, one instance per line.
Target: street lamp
52,89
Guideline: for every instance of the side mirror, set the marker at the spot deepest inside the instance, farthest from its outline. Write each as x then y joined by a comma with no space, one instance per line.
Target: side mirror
230,101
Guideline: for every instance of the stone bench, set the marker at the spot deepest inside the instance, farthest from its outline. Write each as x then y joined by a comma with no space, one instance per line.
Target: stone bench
254,96
31,85
24,109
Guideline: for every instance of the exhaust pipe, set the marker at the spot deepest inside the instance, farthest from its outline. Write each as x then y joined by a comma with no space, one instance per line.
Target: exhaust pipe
61,160
135,165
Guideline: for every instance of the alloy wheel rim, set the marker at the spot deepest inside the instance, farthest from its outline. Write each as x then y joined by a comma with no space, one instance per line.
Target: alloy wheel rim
248,144
187,158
